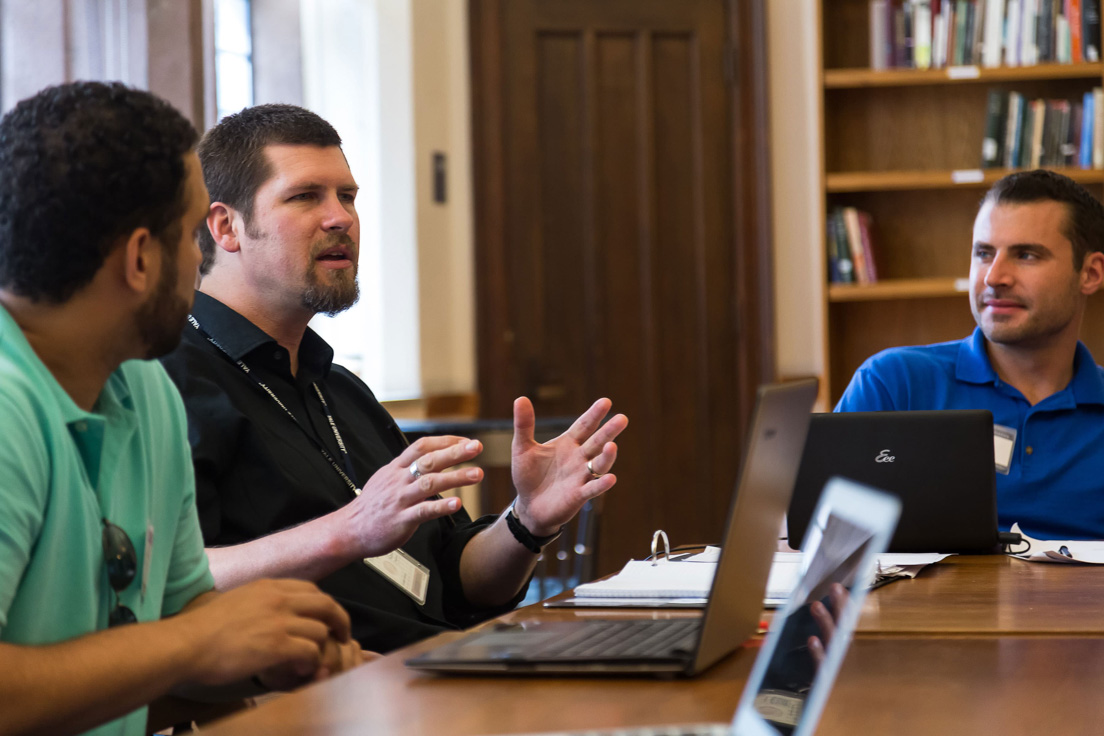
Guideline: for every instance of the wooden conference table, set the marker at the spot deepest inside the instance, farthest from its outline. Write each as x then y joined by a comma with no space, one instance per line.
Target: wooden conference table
974,645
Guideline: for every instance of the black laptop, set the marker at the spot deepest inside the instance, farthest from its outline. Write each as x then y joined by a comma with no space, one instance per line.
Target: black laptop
939,463
673,646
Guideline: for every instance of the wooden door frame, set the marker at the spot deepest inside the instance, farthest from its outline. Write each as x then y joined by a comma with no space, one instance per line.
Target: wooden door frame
751,205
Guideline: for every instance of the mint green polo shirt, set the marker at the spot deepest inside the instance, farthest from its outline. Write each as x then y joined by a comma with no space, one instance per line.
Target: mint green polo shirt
61,470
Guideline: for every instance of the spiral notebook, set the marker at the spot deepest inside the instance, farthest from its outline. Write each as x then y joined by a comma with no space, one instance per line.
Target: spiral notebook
680,582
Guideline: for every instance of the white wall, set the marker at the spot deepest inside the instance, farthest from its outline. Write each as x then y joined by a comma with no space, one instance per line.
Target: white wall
793,48
357,73
446,258
392,77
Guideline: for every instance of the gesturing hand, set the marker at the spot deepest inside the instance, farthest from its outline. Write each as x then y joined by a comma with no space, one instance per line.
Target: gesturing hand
400,496
555,479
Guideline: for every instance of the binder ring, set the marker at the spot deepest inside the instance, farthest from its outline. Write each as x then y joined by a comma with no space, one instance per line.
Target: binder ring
660,534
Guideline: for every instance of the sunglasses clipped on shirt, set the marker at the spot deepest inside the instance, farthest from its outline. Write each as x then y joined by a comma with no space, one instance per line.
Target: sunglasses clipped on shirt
122,566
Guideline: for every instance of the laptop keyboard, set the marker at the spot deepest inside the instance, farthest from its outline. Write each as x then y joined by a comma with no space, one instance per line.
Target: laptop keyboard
624,640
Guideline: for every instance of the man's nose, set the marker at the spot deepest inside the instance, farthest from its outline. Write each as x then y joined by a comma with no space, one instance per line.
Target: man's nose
338,216
1000,271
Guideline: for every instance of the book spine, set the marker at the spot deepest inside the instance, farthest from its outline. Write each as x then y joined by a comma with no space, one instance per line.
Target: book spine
1090,29
1059,132
834,275
962,12
1029,49
899,46
1073,17
948,32
879,10
866,229
854,242
993,37
1061,40
1012,128
991,146
1073,134
1038,125
922,30
1098,128
1044,31
976,50
1084,154
843,255
1012,34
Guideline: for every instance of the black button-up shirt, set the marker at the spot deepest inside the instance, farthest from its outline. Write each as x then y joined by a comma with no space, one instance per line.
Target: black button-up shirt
258,472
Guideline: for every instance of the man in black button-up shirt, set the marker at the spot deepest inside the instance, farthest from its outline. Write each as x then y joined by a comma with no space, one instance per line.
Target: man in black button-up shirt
299,470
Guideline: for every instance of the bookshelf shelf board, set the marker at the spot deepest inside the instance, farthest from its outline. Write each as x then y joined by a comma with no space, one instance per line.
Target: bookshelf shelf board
886,181
861,78
897,289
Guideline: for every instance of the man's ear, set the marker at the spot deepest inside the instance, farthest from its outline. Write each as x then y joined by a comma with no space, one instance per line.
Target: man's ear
141,260
1092,273
220,222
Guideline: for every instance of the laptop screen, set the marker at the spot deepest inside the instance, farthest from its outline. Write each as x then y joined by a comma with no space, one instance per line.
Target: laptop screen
794,671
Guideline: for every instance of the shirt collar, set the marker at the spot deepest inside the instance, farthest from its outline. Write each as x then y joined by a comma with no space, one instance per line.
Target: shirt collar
973,366
239,337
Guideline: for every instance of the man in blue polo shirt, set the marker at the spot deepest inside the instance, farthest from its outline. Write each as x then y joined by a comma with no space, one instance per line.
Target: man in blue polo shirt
1035,260
106,600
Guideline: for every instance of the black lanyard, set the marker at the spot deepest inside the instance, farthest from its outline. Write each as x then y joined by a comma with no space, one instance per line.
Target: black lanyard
347,474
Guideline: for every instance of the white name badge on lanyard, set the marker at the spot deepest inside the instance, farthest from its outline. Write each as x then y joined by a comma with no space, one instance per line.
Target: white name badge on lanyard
1004,442
404,572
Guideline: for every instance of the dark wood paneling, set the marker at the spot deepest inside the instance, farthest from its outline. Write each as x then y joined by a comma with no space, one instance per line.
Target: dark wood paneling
622,242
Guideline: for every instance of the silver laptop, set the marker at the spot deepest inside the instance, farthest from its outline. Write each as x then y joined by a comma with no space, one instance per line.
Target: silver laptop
687,646
794,671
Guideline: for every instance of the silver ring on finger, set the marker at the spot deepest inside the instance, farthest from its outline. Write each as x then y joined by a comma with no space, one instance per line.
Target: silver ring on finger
590,469
414,472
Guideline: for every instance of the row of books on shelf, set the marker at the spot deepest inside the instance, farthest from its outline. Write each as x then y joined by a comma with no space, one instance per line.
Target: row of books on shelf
926,34
850,247
1023,133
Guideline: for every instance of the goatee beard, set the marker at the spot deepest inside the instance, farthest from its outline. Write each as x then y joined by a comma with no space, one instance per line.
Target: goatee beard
334,298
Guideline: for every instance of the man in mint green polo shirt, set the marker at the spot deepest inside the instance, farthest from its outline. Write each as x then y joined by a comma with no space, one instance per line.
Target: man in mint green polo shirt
106,601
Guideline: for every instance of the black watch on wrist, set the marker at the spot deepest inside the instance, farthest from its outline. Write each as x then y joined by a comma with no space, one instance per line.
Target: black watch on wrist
524,536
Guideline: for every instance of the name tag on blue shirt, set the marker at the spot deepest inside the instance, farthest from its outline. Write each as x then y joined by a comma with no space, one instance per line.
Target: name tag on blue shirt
1004,442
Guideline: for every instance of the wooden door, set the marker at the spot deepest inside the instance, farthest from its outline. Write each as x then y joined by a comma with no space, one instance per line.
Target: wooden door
622,241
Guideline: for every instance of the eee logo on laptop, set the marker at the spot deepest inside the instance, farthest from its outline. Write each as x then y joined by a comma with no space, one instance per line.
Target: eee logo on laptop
884,457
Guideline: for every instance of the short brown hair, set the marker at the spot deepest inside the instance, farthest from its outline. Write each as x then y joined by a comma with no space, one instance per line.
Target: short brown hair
233,156
1085,224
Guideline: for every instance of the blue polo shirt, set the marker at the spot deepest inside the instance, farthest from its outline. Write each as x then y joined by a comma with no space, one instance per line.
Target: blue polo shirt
62,470
1055,485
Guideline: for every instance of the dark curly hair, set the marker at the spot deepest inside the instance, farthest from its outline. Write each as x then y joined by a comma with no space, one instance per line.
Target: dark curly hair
84,164
234,162
1085,224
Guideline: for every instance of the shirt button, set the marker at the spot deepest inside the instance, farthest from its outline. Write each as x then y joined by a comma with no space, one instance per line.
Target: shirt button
81,426
1029,449
277,355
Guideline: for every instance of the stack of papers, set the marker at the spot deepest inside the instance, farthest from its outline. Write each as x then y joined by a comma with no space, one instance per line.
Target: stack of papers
1061,551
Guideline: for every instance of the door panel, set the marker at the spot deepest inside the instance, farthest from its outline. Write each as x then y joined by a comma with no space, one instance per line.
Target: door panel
608,159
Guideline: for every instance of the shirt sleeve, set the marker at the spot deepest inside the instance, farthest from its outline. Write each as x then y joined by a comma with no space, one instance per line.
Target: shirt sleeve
24,483
867,391
189,574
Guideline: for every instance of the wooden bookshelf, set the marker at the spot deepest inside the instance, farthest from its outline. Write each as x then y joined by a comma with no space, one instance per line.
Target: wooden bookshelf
884,181
862,77
905,146
898,289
